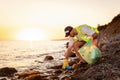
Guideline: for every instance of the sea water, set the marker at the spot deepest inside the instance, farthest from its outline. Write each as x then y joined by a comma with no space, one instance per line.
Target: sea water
30,54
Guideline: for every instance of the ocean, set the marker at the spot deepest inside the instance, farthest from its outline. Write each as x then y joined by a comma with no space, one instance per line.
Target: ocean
24,55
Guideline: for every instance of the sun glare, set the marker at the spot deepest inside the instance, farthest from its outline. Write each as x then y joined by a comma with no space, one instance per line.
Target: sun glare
32,34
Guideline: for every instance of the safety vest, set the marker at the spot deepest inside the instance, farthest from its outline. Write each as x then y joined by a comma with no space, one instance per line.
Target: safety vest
74,39
81,35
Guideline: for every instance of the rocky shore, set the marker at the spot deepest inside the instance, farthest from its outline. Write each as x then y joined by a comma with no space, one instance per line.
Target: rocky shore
108,68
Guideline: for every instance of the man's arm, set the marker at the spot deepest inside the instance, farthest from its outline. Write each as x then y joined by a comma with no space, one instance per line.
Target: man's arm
68,52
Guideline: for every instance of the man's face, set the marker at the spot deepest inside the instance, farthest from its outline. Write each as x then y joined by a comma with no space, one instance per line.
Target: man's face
72,34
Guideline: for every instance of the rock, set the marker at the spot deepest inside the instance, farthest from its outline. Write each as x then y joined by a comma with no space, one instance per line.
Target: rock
25,74
7,71
66,78
102,71
34,77
56,67
57,71
3,78
38,61
53,78
47,58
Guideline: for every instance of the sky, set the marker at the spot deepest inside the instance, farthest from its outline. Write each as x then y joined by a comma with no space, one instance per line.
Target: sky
46,19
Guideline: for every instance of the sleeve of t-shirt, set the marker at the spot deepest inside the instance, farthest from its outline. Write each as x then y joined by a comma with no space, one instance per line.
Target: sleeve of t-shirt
70,41
87,30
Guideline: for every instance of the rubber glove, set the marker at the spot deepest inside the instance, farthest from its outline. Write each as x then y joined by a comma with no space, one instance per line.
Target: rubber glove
65,63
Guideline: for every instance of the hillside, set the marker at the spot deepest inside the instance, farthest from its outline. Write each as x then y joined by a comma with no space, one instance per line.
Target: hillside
108,68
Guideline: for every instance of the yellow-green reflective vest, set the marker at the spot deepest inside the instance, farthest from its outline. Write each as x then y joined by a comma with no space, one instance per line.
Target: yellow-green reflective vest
82,35
74,39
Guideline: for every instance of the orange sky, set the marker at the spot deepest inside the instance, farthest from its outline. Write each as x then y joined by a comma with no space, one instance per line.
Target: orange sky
12,33
49,17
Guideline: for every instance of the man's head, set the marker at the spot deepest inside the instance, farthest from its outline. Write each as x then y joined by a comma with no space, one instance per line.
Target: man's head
67,30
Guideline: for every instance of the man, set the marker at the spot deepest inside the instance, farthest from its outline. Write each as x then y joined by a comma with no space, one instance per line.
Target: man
82,33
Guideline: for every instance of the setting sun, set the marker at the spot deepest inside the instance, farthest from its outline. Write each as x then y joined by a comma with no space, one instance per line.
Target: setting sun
32,34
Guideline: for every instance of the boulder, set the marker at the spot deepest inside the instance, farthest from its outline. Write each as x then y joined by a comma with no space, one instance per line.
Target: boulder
32,75
26,74
47,58
7,71
53,78
3,78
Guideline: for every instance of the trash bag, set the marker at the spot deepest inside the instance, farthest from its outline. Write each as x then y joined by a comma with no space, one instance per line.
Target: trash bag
90,53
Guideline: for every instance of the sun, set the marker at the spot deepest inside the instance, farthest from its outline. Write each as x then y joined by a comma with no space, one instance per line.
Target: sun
32,34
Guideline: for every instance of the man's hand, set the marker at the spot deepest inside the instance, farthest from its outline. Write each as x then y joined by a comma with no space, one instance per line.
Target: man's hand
95,35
